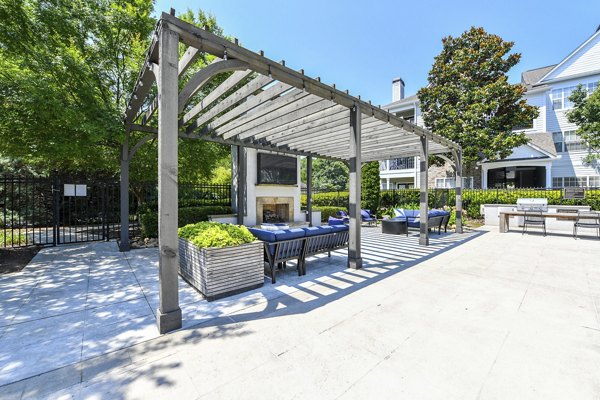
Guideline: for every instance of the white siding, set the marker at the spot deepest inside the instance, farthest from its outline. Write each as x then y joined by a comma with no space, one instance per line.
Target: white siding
586,60
570,164
525,151
538,100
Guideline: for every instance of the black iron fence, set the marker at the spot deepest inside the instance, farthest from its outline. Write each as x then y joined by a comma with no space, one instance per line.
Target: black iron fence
48,211
472,198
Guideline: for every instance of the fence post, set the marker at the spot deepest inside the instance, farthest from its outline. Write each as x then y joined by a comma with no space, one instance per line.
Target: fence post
55,209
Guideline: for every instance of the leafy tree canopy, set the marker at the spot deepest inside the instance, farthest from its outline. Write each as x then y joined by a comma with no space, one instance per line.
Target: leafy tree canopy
586,114
327,174
66,72
469,99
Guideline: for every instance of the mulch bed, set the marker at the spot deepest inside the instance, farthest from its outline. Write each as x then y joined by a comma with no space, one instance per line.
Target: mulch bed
14,260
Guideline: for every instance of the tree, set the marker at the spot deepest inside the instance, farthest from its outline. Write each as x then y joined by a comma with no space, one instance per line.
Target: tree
469,99
327,174
66,73
370,186
586,114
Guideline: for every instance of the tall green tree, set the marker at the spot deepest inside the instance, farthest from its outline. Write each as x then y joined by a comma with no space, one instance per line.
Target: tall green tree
66,69
327,174
371,191
66,73
469,99
586,114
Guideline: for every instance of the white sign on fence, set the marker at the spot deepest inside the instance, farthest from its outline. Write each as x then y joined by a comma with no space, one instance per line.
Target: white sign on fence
75,190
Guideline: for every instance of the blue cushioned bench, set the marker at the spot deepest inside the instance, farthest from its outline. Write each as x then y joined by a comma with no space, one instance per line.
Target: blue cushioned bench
436,218
298,243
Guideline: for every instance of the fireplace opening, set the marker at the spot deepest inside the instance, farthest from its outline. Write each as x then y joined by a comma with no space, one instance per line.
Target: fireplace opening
273,213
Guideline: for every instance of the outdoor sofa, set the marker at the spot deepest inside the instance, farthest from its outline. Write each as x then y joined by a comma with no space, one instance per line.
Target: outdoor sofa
436,218
299,243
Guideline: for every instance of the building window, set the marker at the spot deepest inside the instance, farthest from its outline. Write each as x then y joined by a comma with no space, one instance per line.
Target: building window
402,163
450,183
560,97
568,141
573,141
558,141
574,181
594,181
557,182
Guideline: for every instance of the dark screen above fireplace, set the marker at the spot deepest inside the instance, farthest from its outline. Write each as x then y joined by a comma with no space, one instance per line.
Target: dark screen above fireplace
277,170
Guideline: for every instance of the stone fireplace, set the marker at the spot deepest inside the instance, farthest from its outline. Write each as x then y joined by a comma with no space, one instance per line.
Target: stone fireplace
274,209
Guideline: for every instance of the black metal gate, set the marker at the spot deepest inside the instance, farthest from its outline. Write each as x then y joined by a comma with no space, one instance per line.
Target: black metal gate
51,211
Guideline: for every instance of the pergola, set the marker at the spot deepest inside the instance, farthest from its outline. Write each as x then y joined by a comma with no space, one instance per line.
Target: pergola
262,104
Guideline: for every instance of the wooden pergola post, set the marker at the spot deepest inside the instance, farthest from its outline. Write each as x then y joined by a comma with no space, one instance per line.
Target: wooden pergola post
424,196
354,253
241,184
124,196
309,189
168,315
457,155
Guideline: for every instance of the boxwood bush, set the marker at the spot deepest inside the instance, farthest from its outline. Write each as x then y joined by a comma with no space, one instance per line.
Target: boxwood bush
187,215
215,234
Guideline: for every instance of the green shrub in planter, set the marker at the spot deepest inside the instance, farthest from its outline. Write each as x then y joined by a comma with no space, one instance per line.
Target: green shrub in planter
215,234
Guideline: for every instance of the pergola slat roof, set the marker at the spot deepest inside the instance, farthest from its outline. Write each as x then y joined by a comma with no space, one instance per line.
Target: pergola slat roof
265,104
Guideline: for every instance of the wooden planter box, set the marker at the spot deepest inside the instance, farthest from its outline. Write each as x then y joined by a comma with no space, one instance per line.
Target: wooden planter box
221,272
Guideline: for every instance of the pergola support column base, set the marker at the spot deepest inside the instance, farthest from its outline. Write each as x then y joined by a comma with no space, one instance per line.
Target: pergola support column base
167,322
355,262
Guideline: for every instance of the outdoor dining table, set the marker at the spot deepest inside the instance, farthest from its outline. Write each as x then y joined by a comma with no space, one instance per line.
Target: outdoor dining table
505,217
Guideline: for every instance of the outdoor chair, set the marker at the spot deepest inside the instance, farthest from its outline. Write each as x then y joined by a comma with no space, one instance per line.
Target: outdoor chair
367,217
343,215
534,218
587,219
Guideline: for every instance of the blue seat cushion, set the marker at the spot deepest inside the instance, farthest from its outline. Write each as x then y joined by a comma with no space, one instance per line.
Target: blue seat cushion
412,213
437,213
289,234
335,221
340,228
365,214
318,230
263,234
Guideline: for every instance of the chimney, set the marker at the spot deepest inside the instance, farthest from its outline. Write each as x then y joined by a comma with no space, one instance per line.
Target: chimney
397,89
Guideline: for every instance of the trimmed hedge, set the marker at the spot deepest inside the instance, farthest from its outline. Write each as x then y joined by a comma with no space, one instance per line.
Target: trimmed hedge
472,198
328,199
327,212
187,215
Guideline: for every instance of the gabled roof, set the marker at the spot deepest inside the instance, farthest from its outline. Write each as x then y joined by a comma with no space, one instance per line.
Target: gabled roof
542,141
569,57
402,102
531,77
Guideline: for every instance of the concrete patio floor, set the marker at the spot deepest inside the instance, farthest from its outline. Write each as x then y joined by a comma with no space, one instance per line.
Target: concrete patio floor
481,315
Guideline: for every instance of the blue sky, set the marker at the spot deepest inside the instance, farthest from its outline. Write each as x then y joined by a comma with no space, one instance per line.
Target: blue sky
362,46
